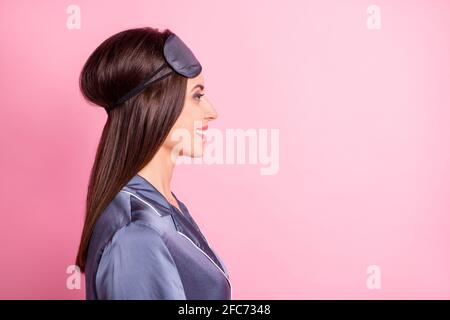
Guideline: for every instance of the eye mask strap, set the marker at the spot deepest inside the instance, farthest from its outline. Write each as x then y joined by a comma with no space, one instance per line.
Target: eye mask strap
141,87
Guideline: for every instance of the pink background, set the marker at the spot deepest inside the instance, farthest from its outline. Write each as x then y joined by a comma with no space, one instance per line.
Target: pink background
364,117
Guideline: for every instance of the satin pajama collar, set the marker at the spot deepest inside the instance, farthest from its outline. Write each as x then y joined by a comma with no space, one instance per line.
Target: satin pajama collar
183,221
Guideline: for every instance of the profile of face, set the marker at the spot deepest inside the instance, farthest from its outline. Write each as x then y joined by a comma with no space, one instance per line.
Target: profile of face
187,137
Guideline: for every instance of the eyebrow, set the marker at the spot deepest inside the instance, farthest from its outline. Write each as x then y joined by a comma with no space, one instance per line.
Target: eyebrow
202,87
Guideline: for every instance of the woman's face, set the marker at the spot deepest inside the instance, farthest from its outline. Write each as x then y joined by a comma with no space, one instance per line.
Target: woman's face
187,136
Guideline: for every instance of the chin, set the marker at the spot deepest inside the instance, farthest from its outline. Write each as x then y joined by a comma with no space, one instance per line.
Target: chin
197,154
193,153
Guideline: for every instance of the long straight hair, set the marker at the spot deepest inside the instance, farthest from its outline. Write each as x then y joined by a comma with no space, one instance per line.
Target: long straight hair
134,131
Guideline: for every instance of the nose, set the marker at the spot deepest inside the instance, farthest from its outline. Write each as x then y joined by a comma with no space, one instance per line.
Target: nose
211,112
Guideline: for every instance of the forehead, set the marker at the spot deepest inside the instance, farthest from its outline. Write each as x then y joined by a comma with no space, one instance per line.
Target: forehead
192,82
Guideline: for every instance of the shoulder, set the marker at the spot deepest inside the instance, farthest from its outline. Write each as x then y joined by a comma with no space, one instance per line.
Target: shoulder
127,240
136,264
122,223
125,209
135,233
116,214
137,241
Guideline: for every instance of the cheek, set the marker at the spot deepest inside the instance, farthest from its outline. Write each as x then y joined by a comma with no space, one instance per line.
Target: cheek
188,116
183,127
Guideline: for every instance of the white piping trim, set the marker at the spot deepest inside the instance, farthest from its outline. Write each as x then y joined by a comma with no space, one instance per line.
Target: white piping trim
132,194
229,283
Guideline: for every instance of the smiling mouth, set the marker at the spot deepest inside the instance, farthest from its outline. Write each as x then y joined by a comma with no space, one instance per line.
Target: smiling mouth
202,131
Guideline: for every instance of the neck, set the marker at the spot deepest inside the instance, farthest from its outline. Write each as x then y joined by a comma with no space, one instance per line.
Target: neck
159,172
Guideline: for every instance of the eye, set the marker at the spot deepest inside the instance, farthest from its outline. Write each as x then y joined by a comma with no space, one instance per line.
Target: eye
198,96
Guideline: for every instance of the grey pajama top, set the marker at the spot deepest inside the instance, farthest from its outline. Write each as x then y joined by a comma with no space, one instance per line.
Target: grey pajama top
143,247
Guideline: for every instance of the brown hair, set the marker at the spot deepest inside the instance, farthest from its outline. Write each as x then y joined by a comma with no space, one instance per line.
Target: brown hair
135,130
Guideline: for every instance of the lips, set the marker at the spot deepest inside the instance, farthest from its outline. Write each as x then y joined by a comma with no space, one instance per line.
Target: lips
202,131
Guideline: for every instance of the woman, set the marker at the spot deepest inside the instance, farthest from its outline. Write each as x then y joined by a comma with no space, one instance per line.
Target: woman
139,240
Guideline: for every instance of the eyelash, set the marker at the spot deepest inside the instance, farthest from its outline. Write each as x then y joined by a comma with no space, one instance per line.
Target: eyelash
199,95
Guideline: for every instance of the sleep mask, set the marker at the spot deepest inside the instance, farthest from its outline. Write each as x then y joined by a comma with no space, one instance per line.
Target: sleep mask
178,58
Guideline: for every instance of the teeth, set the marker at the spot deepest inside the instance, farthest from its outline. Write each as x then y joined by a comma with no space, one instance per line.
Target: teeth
199,131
